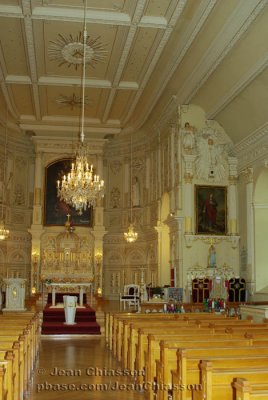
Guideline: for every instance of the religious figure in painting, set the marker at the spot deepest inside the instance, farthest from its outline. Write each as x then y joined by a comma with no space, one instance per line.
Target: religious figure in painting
210,212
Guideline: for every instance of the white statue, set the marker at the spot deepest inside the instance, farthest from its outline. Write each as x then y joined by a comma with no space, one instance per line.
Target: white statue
212,150
188,137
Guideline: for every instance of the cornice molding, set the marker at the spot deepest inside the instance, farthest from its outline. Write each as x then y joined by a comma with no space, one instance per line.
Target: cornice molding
253,149
252,139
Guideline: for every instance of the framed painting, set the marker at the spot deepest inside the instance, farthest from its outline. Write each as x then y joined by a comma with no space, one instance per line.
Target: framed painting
56,210
211,210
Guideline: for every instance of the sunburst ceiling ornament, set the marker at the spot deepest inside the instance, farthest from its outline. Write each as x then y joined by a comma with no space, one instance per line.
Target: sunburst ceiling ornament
69,50
72,101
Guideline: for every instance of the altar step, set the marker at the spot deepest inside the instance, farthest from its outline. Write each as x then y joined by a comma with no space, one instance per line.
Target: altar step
54,318
81,328
86,314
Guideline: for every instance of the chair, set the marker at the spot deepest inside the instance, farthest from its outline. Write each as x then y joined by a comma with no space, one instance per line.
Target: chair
130,296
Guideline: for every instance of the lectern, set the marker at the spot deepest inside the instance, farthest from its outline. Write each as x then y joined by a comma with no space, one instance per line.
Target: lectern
15,294
70,303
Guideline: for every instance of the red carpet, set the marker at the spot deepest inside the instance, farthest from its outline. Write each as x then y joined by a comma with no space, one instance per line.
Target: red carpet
53,321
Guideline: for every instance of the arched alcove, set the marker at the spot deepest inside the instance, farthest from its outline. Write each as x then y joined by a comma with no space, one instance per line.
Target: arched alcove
261,230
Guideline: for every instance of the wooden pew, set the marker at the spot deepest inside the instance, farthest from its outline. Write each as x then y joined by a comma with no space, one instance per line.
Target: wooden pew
6,361
15,350
153,352
220,333
217,382
187,369
128,339
116,320
30,321
17,344
3,393
28,362
168,358
25,334
244,391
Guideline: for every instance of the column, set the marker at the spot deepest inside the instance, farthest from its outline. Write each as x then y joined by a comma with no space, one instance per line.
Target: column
53,296
81,293
38,184
188,193
250,230
232,196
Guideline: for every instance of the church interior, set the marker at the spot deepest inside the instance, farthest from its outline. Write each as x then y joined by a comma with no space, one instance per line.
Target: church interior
133,174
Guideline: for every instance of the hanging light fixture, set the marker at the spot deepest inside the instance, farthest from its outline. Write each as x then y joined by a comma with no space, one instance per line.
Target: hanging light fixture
4,232
81,187
131,236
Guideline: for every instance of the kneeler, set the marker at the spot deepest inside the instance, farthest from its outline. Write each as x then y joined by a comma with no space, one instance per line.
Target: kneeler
200,289
237,289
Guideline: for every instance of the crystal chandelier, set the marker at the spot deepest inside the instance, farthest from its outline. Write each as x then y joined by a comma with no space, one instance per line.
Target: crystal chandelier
131,236
4,233
81,187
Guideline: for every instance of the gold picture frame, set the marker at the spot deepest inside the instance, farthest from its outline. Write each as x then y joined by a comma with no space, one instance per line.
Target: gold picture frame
211,210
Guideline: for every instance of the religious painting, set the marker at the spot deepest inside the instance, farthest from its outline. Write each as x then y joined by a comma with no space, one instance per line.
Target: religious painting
211,210
56,210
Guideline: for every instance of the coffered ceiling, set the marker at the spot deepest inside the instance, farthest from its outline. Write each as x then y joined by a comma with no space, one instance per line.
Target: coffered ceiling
157,54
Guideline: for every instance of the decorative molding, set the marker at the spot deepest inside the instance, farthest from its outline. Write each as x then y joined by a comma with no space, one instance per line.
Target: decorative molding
248,173
234,239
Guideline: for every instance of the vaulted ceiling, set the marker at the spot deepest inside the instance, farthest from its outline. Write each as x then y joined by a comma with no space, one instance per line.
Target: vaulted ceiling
157,54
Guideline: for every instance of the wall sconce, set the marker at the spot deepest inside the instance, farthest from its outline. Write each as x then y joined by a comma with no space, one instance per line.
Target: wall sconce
33,290
35,257
99,292
98,257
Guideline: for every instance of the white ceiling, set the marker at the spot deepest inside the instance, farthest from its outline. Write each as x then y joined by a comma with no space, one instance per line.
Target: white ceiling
160,53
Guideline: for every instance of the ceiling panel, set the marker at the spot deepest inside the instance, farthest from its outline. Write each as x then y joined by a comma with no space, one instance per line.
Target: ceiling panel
22,96
160,54
13,47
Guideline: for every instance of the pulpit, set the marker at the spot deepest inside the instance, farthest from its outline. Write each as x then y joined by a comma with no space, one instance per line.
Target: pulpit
15,294
70,303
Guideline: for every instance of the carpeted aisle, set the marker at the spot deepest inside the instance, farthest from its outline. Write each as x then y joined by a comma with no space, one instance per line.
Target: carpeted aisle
53,320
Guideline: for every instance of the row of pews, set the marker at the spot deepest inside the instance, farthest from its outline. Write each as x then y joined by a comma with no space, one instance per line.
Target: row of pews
193,356
19,347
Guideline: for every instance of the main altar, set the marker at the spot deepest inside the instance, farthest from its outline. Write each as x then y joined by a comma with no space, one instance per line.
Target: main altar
69,287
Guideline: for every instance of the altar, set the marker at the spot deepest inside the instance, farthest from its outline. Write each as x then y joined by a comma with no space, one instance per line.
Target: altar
81,287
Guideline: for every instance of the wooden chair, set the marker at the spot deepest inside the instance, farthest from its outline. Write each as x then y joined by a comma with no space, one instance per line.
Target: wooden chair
130,296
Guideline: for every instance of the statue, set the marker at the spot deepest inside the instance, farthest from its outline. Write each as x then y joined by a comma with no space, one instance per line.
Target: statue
188,138
211,255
